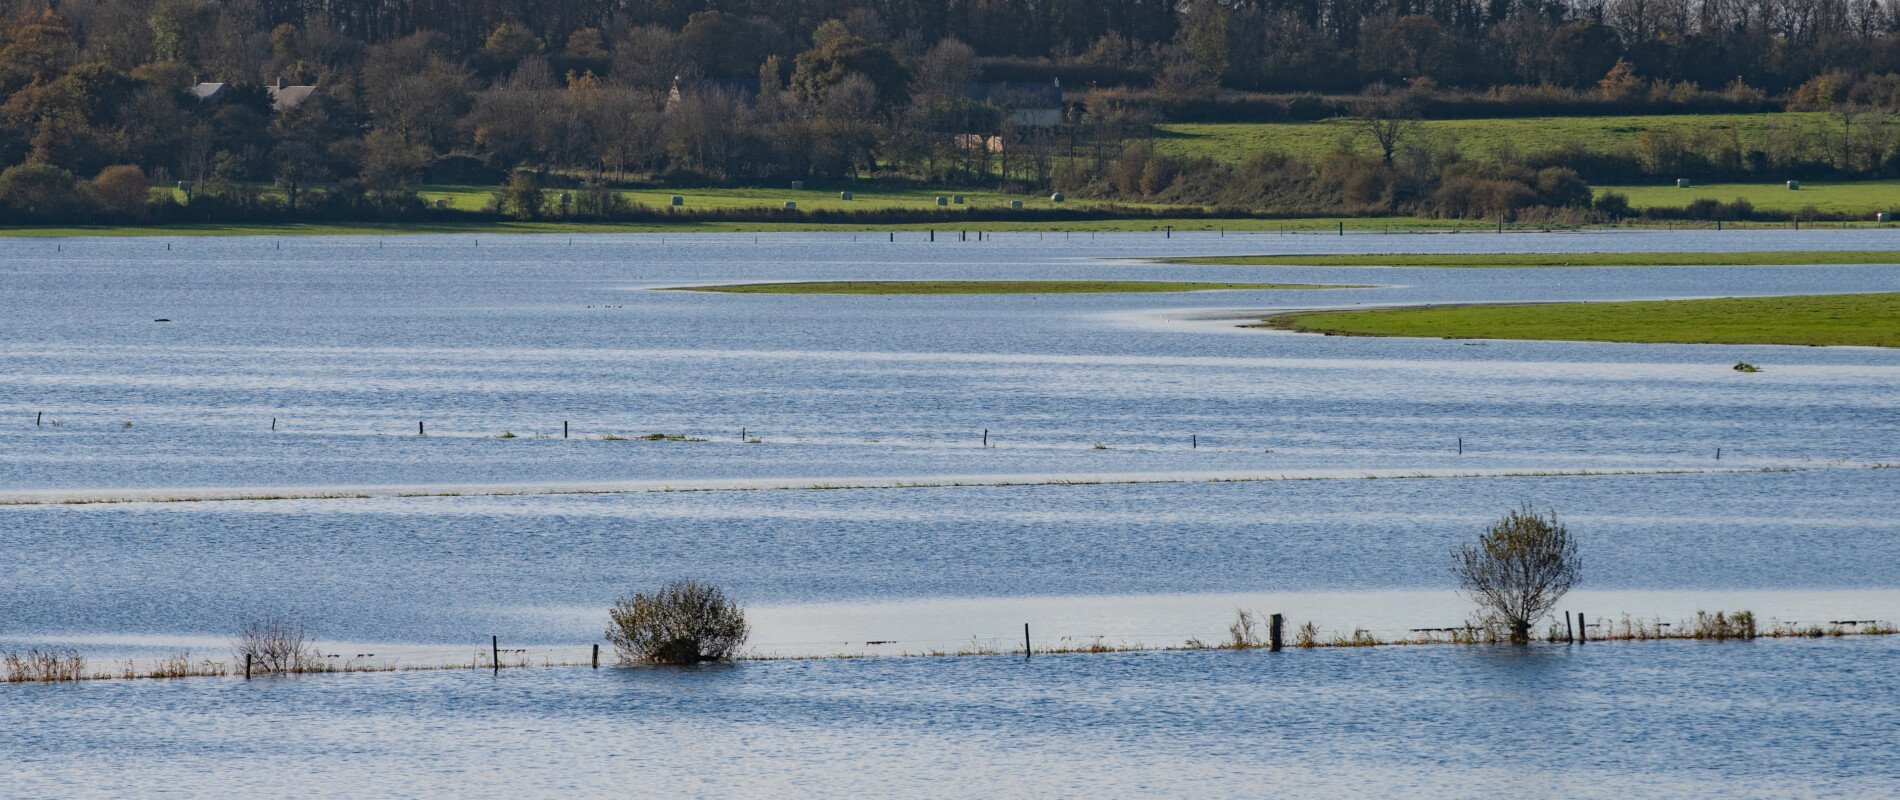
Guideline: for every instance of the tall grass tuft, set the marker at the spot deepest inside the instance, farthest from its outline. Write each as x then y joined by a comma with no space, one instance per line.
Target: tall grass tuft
1308,635
1720,625
1244,633
43,666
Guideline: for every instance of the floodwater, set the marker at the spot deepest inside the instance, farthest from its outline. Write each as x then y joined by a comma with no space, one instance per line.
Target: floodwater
1150,466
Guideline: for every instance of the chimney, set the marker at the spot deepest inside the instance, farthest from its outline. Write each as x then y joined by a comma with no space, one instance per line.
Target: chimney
281,83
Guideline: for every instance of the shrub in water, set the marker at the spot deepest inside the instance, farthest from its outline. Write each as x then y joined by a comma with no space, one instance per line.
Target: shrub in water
685,622
1519,569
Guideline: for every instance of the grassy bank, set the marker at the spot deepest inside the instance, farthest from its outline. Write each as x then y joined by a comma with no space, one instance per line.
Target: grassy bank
70,666
1694,259
990,287
1478,138
1869,320
476,197
1842,197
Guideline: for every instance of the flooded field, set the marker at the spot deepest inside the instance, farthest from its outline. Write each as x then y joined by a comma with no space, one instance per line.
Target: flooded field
418,443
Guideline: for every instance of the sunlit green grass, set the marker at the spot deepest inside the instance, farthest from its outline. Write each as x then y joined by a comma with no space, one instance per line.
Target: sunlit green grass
1481,138
868,198
1844,197
992,287
1871,320
1686,259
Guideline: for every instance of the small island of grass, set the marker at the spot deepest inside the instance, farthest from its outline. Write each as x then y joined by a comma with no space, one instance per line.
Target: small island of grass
1698,259
1869,320
994,287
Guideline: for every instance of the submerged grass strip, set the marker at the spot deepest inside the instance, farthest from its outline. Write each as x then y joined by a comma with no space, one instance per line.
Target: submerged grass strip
1696,259
864,484
1867,320
69,666
993,287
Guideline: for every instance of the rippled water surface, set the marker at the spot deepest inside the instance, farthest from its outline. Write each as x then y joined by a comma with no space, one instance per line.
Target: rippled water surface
1323,477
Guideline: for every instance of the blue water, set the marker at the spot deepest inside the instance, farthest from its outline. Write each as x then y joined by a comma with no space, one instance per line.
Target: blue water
347,343
1768,719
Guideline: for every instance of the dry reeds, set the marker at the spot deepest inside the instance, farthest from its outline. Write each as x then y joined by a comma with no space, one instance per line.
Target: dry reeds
43,666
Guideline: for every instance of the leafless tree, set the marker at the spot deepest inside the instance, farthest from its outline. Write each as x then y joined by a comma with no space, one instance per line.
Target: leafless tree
1389,120
1519,569
275,643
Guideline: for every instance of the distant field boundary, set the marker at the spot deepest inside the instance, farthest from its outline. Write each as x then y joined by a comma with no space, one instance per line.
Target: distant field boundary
1519,260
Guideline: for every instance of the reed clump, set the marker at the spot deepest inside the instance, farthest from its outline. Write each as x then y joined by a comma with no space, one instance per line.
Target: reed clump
43,666
176,665
1244,633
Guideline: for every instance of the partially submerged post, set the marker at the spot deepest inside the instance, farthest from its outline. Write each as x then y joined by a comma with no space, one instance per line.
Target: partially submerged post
494,652
1274,623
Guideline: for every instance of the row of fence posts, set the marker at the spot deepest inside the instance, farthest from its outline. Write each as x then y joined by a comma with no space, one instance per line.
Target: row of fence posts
1580,633
1276,641
422,429
1167,232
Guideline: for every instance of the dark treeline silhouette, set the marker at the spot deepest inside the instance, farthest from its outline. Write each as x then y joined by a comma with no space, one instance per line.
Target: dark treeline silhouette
271,109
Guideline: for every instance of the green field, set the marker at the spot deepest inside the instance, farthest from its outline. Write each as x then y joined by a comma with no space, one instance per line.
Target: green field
1475,137
1845,197
992,287
1871,320
867,198
1690,259
946,228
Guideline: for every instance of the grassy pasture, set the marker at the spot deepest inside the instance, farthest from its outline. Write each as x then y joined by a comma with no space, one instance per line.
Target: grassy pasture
1871,320
468,197
1478,138
1846,197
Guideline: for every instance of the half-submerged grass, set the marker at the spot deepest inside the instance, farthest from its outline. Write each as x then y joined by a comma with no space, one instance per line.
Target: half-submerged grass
43,666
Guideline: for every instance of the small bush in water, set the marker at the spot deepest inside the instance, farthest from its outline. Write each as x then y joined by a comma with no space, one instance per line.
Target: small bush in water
685,622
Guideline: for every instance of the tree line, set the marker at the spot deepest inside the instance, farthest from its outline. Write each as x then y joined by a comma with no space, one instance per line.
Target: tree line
98,94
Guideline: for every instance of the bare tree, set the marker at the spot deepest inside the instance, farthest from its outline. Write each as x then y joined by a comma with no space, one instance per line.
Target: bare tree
1389,120
1519,569
685,622
275,643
